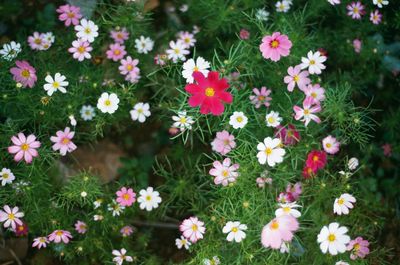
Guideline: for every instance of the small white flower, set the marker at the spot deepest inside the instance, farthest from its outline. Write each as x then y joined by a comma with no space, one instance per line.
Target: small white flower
183,8
262,14
149,199
187,38
238,120
49,37
86,30
214,261
58,83
333,238
182,242
115,208
87,113
190,66
334,2
270,152
177,51
314,62
288,209
353,163
343,204
273,119
97,203
284,248
340,262
72,120
182,121
10,50
140,112
234,231
98,217
380,3
6,176
282,6
108,103
144,44
83,194
120,256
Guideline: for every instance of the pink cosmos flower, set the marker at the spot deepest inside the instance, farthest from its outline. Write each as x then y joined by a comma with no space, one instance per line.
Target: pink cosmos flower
331,145
295,190
261,181
62,141
223,142
24,73
69,14
285,197
316,93
116,52
11,217
387,150
261,97
358,247
244,34
296,77
375,17
192,229
224,172
279,230
355,10
187,39
126,197
275,46
21,229
60,235
289,135
126,231
80,227
80,50
119,36
306,113
40,242
36,41
357,45
24,147
129,67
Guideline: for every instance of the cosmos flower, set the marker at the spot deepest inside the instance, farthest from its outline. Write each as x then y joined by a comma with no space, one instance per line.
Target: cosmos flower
224,172
261,97
275,46
279,230
24,147
333,238
192,229
69,14
223,142
63,141
24,73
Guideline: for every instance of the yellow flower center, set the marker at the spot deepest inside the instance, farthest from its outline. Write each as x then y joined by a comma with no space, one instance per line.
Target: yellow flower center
328,145
25,73
42,240
268,151
210,92
183,120
271,119
312,62
194,228
119,36
126,197
65,141
59,233
306,111
356,246
38,41
289,134
286,209
274,225
235,229
177,51
81,49
331,237
11,216
107,102
140,110
87,30
148,198
129,67
314,95
21,228
261,98
355,10
340,201
274,44
315,158
187,40
225,173
56,85
71,14
296,78
5,176
195,69
239,119
24,147
117,52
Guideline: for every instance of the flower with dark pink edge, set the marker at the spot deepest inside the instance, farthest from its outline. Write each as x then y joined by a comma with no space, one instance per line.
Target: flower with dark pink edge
288,135
261,97
355,10
63,141
375,17
244,34
116,52
24,73
285,197
359,248
119,35
275,46
295,190
21,229
24,147
306,114
60,235
192,229
126,197
80,227
126,230
40,242
69,14
223,142
316,160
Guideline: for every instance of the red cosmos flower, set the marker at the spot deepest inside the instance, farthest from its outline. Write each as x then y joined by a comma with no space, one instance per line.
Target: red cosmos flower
21,230
209,93
289,135
316,160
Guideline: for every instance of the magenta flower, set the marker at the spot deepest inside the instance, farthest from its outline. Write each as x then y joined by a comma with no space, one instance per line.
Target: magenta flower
296,77
357,45
24,73
285,197
289,135
60,235
315,93
69,14
224,172
223,142
279,230
126,197
359,248
375,17
116,52
244,34
62,141
261,97
24,147
295,190
119,36
126,231
80,227
80,50
275,46
192,229
355,10
306,113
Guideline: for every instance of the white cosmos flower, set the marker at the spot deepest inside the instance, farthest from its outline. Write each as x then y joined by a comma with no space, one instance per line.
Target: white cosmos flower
262,14
340,262
313,62
190,66
333,238
6,176
144,44
98,217
10,217
182,242
108,103
380,3
149,199
86,30
10,50
343,204
238,120
58,83
273,119
270,152
182,121
120,256
140,112
353,163
234,231
284,248
49,36
214,261
282,6
177,51
87,112
115,208
288,209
